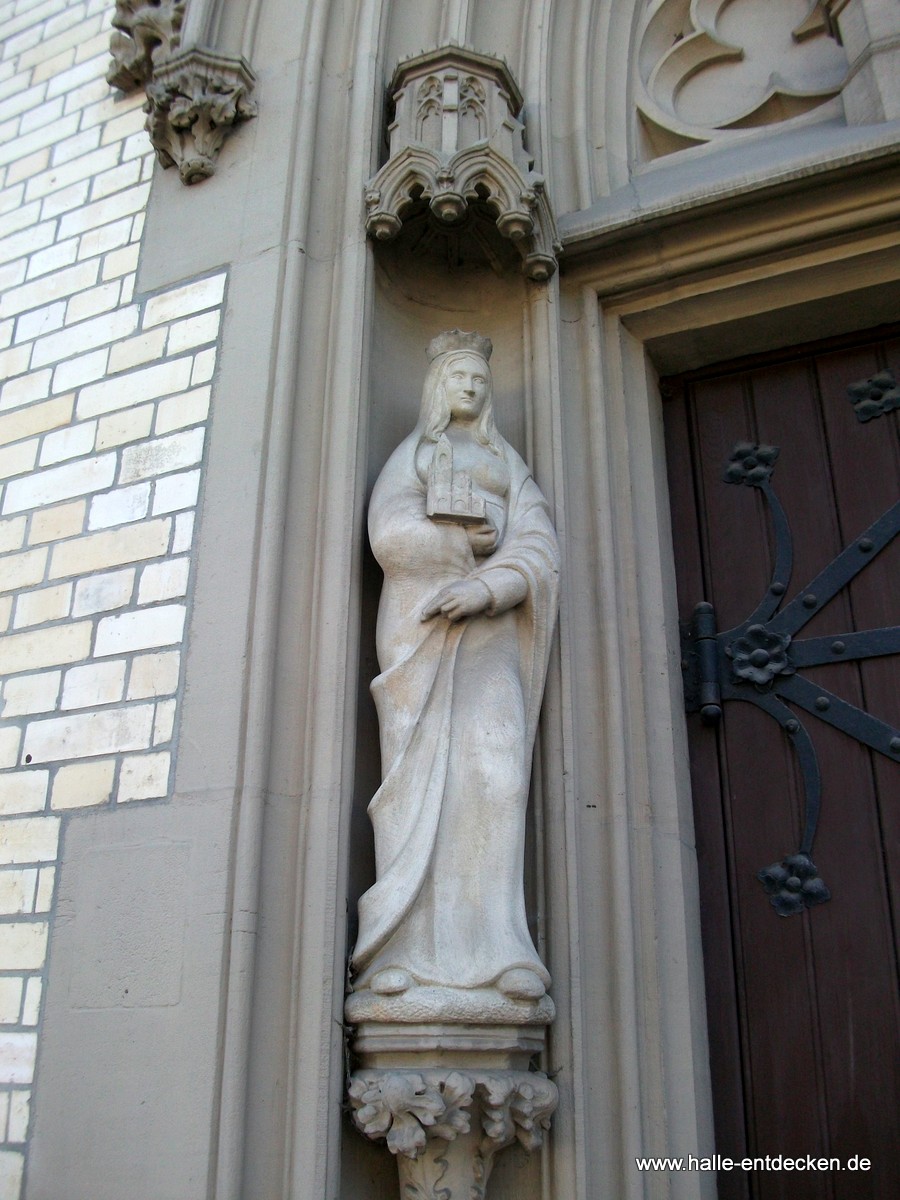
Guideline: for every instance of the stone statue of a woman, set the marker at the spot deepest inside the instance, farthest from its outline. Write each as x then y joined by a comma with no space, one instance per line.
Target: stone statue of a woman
470,563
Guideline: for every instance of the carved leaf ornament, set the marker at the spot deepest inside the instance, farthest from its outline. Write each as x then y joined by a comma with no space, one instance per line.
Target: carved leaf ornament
194,97
407,1108
193,101
401,1105
709,69
144,32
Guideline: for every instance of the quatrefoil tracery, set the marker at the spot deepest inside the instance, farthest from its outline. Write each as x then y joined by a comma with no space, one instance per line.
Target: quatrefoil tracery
710,69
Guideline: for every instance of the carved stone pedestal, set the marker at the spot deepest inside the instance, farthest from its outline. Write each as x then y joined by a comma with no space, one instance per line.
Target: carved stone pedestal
447,1099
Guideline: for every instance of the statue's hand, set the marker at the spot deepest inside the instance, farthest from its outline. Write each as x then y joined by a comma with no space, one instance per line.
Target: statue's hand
482,538
463,599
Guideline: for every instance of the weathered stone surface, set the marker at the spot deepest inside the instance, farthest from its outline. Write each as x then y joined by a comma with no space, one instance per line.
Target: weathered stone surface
193,101
145,32
467,611
456,142
709,73
445,963
445,1127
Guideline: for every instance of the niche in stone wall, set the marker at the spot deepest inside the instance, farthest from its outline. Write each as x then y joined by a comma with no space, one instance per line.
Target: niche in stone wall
463,238
426,281
714,70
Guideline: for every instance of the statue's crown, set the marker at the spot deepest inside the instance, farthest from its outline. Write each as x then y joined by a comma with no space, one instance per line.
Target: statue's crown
456,339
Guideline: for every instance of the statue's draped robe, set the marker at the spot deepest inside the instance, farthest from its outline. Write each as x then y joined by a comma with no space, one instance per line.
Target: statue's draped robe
458,705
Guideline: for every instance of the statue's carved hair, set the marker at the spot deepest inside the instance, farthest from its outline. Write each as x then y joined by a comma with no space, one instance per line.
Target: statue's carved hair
435,412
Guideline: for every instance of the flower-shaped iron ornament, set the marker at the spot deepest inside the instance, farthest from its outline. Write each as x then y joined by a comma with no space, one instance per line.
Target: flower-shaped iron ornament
876,396
751,464
759,656
762,661
793,885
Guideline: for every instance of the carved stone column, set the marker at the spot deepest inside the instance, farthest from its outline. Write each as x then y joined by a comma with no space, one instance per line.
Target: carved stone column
455,142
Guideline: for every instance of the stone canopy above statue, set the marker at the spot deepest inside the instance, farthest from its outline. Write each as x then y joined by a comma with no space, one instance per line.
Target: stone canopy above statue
457,146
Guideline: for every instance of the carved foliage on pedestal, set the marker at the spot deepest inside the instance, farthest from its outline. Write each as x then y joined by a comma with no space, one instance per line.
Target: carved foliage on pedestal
712,69
144,32
446,1126
193,101
401,1105
455,143
517,1107
193,97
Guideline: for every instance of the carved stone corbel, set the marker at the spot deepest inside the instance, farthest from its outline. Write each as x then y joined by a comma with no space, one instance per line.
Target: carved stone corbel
446,1126
193,100
454,142
144,33
193,97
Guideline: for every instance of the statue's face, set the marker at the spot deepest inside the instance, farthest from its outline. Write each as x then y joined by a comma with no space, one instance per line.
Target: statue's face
467,387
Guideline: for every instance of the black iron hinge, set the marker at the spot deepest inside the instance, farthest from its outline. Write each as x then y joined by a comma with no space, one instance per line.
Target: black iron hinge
760,661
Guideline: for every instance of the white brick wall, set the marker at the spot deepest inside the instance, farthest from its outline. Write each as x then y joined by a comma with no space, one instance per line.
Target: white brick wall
104,398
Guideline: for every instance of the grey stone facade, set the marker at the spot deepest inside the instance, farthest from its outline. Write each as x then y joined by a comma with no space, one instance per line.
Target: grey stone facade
178,1027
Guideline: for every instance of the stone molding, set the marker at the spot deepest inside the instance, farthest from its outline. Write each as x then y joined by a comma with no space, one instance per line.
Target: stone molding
145,32
446,1126
832,10
455,141
869,31
484,1006
193,101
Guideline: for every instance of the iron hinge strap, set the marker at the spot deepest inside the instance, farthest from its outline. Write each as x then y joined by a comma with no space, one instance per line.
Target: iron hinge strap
757,662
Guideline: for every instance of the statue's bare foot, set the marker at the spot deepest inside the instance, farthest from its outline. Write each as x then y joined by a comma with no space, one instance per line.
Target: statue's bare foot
521,984
391,981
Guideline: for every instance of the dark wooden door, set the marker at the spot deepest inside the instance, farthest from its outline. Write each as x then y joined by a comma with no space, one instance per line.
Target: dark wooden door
804,1010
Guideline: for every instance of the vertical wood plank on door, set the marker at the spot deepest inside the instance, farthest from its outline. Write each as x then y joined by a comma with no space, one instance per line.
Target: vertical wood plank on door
804,1028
